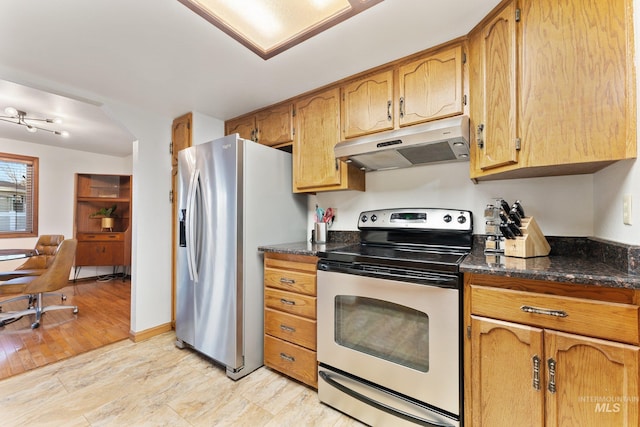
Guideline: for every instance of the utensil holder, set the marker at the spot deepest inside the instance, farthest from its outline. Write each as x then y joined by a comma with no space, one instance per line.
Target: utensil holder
532,243
320,231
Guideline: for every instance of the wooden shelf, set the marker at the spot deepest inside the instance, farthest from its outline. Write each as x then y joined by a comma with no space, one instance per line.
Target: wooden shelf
95,246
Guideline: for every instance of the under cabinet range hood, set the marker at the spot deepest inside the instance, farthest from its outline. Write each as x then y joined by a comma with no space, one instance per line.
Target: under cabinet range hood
440,141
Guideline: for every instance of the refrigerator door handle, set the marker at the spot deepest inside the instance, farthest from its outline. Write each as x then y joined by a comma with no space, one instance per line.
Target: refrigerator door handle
190,225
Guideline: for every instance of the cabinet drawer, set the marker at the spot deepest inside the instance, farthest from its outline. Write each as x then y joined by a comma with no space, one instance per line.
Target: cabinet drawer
292,360
289,327
288,280
608,320
102,237
290,302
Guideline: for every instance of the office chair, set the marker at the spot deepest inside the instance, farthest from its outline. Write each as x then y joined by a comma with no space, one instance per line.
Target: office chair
45,250
54,278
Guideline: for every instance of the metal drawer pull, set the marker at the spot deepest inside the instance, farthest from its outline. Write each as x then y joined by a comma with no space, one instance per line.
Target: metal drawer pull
287,328
287,357
535,310
287,302
536,372
287,281
552,375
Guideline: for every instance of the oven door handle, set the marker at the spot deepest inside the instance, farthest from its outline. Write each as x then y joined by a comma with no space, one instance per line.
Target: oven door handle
381,406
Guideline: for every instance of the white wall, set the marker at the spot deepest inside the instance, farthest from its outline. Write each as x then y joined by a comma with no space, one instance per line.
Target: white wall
57,169
562,206
206,128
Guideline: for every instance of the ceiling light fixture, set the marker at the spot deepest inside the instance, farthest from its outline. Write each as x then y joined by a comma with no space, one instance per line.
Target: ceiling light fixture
269,27
20,118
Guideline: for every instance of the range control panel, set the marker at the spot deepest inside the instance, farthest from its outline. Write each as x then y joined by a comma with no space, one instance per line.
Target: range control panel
417,218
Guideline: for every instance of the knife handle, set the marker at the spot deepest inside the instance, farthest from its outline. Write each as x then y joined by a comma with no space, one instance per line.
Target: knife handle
506,232
514,228
515,216
518,206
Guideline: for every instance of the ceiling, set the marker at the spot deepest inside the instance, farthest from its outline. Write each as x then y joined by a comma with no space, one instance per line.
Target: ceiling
73,58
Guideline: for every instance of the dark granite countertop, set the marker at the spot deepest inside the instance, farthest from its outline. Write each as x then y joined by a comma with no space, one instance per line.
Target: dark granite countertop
301,248
583,261
586,261
335,240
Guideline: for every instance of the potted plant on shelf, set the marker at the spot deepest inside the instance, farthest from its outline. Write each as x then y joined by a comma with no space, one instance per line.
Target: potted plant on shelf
107,216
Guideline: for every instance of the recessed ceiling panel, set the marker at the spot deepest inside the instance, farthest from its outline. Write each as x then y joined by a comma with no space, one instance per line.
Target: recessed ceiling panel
269,27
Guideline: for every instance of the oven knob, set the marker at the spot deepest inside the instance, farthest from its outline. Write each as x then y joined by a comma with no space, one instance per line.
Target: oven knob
462,219
447,218
364,218
374,218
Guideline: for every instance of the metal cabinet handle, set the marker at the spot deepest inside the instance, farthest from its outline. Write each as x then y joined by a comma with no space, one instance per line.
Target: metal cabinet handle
545,311
479,138
287,328
286,281
552,375
401,107
389,118
536,372
287,357
287,302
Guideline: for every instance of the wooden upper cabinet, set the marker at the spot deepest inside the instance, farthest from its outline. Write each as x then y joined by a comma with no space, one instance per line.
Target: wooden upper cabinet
493,101
367,105
315,167
274,126
271,126
244,126
427,88
577,66
431,87
553,79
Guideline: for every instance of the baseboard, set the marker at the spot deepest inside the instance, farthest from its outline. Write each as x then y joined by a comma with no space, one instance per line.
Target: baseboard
149,333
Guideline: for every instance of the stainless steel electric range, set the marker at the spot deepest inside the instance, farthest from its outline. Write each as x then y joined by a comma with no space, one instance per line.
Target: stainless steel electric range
389,316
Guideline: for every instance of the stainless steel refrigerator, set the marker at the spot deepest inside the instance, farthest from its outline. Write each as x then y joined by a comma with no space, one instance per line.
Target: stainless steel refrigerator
234,195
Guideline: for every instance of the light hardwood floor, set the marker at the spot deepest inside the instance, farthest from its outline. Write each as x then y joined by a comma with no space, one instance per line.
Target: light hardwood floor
153,383
103,318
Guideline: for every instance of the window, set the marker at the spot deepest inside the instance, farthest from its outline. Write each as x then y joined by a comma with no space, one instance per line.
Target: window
18,196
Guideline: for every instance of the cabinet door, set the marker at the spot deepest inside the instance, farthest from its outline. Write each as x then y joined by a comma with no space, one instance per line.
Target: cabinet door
367,105
507,374
577,85
100,253
431,88
245,126
592,383
275,125
317,133
493,95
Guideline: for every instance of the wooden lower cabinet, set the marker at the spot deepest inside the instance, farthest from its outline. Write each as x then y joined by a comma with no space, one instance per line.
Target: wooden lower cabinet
101,249
290,316
527,368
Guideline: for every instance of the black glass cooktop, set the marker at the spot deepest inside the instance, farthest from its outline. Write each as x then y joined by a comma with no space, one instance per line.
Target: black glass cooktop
429,259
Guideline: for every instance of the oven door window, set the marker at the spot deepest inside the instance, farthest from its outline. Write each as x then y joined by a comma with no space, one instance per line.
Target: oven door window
382,329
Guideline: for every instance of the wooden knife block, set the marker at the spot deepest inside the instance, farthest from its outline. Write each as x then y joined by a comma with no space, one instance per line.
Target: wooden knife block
532,243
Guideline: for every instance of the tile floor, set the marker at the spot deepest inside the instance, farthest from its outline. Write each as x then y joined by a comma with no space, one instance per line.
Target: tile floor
153,383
